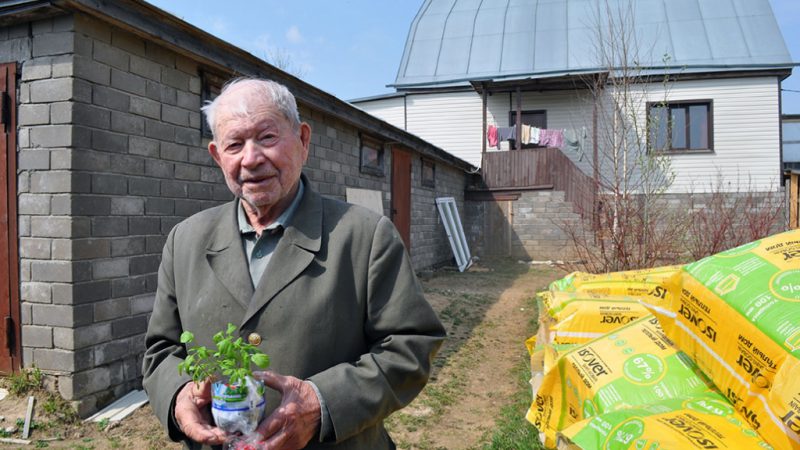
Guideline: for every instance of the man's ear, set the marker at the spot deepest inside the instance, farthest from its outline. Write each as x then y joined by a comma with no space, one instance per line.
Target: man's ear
213,150
305,138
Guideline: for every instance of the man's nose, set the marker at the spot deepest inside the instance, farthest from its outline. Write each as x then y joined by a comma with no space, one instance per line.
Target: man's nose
253,154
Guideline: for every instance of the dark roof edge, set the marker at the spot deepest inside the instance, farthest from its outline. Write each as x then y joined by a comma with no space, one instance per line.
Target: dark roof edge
377,97
153,23
582,72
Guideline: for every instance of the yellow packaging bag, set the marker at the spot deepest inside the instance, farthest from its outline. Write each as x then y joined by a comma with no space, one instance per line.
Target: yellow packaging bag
737,314
576,318
706,421
644,283
634,365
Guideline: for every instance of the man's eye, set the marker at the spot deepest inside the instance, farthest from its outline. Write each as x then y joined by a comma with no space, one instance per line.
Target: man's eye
233,147
267,137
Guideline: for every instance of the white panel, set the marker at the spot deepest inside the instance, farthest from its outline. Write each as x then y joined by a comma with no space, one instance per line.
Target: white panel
451,121
388,109
746,134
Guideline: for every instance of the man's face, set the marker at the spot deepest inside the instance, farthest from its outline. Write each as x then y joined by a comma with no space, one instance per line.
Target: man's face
260,155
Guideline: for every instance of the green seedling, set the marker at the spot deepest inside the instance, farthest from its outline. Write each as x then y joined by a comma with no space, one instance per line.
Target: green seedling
232,358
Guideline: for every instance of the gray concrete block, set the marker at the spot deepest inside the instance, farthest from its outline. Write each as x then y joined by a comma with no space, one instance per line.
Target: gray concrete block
61,315
142,304
57,271
171,188
51,182
127,123
54,359
174,115
157,130
143,186
158,168
145,68
51,90
84,383
59,136
109,184
201,156
188,136
93,27
82,337
145,107
186,171
159,54
26,318
186,65
61,112
143,146
91,71
128,82
175,78
37,69
90,116
128,326
153,88
168,95
144,264
78,249
37,336
16,49
111,56
144,226
188,101
109,226
83,45
48,226
111,351
200,191
53,43
42,26
35,292
129,164
167,224
89,205
34,248
33,204
111,98
173,152
126,287
155,206
81,293
61,66
112,310
63,23
110,268
211,175
127,206
185,208
128,42
155,243
109,141
195,85
127,246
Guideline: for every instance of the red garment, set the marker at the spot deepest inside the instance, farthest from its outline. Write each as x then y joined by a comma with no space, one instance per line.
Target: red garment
492,135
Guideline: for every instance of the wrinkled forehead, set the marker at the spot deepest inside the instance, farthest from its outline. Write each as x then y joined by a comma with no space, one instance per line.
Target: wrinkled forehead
241,106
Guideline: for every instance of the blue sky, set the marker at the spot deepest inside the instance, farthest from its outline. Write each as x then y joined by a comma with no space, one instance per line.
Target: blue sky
352,48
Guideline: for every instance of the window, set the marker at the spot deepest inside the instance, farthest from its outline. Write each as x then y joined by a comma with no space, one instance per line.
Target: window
211,87
680,126
428,178
371,156
537,118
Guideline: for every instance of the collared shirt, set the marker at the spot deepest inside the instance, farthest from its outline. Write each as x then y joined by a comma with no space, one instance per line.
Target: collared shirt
259,249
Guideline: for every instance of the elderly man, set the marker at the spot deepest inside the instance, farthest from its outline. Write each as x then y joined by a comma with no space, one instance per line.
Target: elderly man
325,288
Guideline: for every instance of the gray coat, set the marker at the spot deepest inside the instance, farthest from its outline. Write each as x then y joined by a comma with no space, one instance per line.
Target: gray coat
339,304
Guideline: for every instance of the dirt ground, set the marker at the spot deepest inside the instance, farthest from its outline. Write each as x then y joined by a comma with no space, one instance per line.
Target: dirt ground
487,312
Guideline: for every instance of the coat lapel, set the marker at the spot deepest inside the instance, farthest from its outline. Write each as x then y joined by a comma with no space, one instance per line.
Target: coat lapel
226,257
295,251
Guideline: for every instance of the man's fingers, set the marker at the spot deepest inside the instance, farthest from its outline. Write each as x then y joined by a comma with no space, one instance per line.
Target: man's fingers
272,380
204,434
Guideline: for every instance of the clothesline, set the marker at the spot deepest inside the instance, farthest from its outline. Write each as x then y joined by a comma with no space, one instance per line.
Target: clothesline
530,135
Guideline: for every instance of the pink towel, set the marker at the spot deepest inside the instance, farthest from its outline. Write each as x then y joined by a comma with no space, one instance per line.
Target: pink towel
551,138
492,135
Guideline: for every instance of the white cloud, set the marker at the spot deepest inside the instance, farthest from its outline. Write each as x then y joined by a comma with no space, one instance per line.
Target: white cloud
293,35
219,26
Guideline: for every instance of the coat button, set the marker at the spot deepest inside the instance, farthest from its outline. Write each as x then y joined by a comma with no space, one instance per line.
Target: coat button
254,339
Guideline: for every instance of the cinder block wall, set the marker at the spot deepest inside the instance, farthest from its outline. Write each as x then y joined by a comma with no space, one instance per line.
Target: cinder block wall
538,231
430,245
110,159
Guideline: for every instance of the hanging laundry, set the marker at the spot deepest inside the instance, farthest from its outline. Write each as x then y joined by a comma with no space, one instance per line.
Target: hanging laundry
551,138
491,134
526,134
534,138
506,133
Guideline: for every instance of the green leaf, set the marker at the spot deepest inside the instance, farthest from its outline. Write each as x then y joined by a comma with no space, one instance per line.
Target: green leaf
260,359
231,328
187,337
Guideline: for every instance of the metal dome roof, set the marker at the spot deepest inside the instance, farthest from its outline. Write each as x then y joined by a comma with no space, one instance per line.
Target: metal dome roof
451,42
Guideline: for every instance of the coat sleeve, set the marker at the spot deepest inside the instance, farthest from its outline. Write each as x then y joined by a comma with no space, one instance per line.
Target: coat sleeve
403,335
164,350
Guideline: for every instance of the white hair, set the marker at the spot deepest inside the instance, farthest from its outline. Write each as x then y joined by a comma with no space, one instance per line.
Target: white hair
277,94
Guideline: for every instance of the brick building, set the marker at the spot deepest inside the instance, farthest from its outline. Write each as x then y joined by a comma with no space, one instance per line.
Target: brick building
104,152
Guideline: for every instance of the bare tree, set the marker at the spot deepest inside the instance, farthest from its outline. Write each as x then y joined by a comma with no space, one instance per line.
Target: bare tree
283,59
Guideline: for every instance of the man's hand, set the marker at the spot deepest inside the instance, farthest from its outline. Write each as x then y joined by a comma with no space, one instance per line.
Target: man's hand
296,421
194,416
